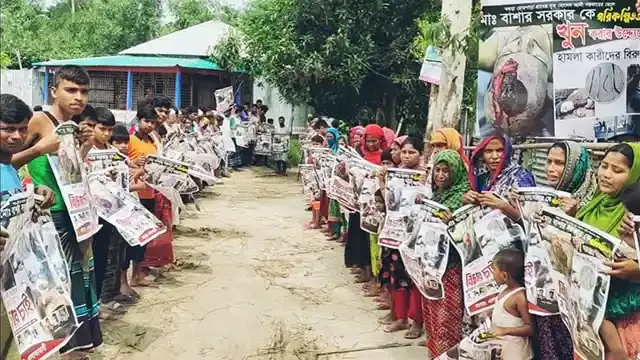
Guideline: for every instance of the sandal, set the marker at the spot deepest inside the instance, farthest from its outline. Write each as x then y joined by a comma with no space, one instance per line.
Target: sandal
413,333
115,307
127,299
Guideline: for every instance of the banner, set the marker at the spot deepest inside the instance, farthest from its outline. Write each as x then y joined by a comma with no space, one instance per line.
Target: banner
568,273
478,233
403,196
431,70
170,173
224,99
69,171
310,186
263,144
341,182
532,200
479,345
35,286
118,207
115,162
426,253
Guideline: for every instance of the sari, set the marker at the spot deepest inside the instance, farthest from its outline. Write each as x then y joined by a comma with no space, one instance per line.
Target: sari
335,214
507,176
623,305
452,139
444,319
553,340
159,252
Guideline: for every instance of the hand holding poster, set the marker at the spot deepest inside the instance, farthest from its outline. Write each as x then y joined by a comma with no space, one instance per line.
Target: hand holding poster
69,171
136,224
35,282
403,195
310,186
576,252
341,183
364,183
263,144
425,255
224,99
480,345
478,233
532,200
170,173
241,136
114,162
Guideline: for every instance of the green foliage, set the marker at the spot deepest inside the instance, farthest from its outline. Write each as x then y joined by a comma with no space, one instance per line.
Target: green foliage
348,60
188,13
5,60
294,156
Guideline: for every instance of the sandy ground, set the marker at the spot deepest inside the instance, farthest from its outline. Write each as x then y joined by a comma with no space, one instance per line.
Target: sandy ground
254,284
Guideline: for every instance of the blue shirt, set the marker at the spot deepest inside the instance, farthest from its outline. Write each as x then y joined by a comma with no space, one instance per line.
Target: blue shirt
9,181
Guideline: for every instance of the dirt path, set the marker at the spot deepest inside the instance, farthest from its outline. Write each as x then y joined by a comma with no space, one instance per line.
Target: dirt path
254,285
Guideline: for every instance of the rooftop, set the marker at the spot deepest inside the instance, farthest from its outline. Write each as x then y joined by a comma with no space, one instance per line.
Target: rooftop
129,61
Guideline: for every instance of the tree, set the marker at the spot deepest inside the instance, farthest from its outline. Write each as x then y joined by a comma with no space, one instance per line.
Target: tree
187,13
346,59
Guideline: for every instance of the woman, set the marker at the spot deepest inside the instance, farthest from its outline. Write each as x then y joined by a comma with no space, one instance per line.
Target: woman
335,214
406,297
357,252
443,319
448,138
494,173
396,149
568,169
355,137
619,168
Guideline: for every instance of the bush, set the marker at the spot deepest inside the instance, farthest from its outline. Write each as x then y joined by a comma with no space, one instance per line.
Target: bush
294,156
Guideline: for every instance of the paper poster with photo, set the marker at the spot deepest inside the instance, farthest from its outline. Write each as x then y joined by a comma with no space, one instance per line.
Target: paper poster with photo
597,70
481,344
404,192
425,254
202,165
532,200
71,176
364,176
576,253
478,233
241,136
318,158
310,186
515,69
114,161
280,143
341,182
35,284
224,99
169,173
263,144
118,207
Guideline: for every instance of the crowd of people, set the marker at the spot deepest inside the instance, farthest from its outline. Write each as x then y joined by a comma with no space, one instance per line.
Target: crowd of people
103,286
455,179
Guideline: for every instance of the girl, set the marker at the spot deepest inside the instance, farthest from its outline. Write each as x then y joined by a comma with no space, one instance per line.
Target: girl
619,168
316,141
443,319
335,214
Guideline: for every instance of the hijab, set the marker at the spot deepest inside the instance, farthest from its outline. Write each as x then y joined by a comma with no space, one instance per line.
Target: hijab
453,140
374,157
578,176
451,197
508,174
606,212
333,143
389,135
357,130
400,139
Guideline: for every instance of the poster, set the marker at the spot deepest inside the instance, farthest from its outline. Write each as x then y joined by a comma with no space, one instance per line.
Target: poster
241,135
224,99
69,171
403,195
318,158
136,224
478,233
35,286
341,183
263,144
310,186
479,345
431,70
364,178
114,161
575,254
170,173
597,70
531,200
425,254
280,144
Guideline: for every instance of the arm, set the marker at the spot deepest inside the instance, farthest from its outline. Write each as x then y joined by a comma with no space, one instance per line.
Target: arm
522,309
31,145
137,186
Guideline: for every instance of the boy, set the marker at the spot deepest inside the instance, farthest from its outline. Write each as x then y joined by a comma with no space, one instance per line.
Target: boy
321,127
141,144
70,92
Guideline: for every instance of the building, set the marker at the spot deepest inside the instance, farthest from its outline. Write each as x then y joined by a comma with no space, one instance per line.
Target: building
176,65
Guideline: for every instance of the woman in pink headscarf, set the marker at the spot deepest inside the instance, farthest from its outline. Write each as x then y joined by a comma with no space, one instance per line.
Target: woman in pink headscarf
355,137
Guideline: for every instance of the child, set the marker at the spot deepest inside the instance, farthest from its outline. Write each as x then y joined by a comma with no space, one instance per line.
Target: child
511,319
316,141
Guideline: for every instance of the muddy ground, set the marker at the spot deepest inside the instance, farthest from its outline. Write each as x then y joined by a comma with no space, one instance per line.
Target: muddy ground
253,284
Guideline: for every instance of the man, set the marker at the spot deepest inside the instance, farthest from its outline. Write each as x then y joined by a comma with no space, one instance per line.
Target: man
321,127
70,92
14,120
141,145
280,151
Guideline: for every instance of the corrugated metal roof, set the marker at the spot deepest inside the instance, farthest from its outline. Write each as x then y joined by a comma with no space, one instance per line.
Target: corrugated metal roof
197,40
136,61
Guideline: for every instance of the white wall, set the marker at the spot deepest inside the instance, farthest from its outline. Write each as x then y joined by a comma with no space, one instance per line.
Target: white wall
25,84
277,106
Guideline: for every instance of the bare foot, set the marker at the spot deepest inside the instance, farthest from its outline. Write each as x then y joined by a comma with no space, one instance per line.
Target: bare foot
135,282
397,325
361,278
415,331
371,293
387,319
356,270
383,306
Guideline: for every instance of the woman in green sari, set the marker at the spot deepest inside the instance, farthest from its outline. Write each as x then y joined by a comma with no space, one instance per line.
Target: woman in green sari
336,216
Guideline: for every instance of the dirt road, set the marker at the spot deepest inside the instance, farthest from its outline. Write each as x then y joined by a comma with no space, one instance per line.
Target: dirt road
254,285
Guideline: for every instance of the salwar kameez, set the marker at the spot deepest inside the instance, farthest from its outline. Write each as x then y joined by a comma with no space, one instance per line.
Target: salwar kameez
335,217
160,251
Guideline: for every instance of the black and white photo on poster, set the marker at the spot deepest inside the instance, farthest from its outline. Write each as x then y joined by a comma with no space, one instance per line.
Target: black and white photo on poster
317,157
404,191
170,173
310,186
341,183
478,233
71,176
365,183
263,144
425,254
114,161
35,285
224,99
531,200
481,344
576,252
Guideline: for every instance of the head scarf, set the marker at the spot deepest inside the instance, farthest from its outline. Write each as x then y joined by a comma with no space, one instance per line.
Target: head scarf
389,135
375,131
578,176
357,130
451,197
507,175
453,140
400,139
333,143
606,212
